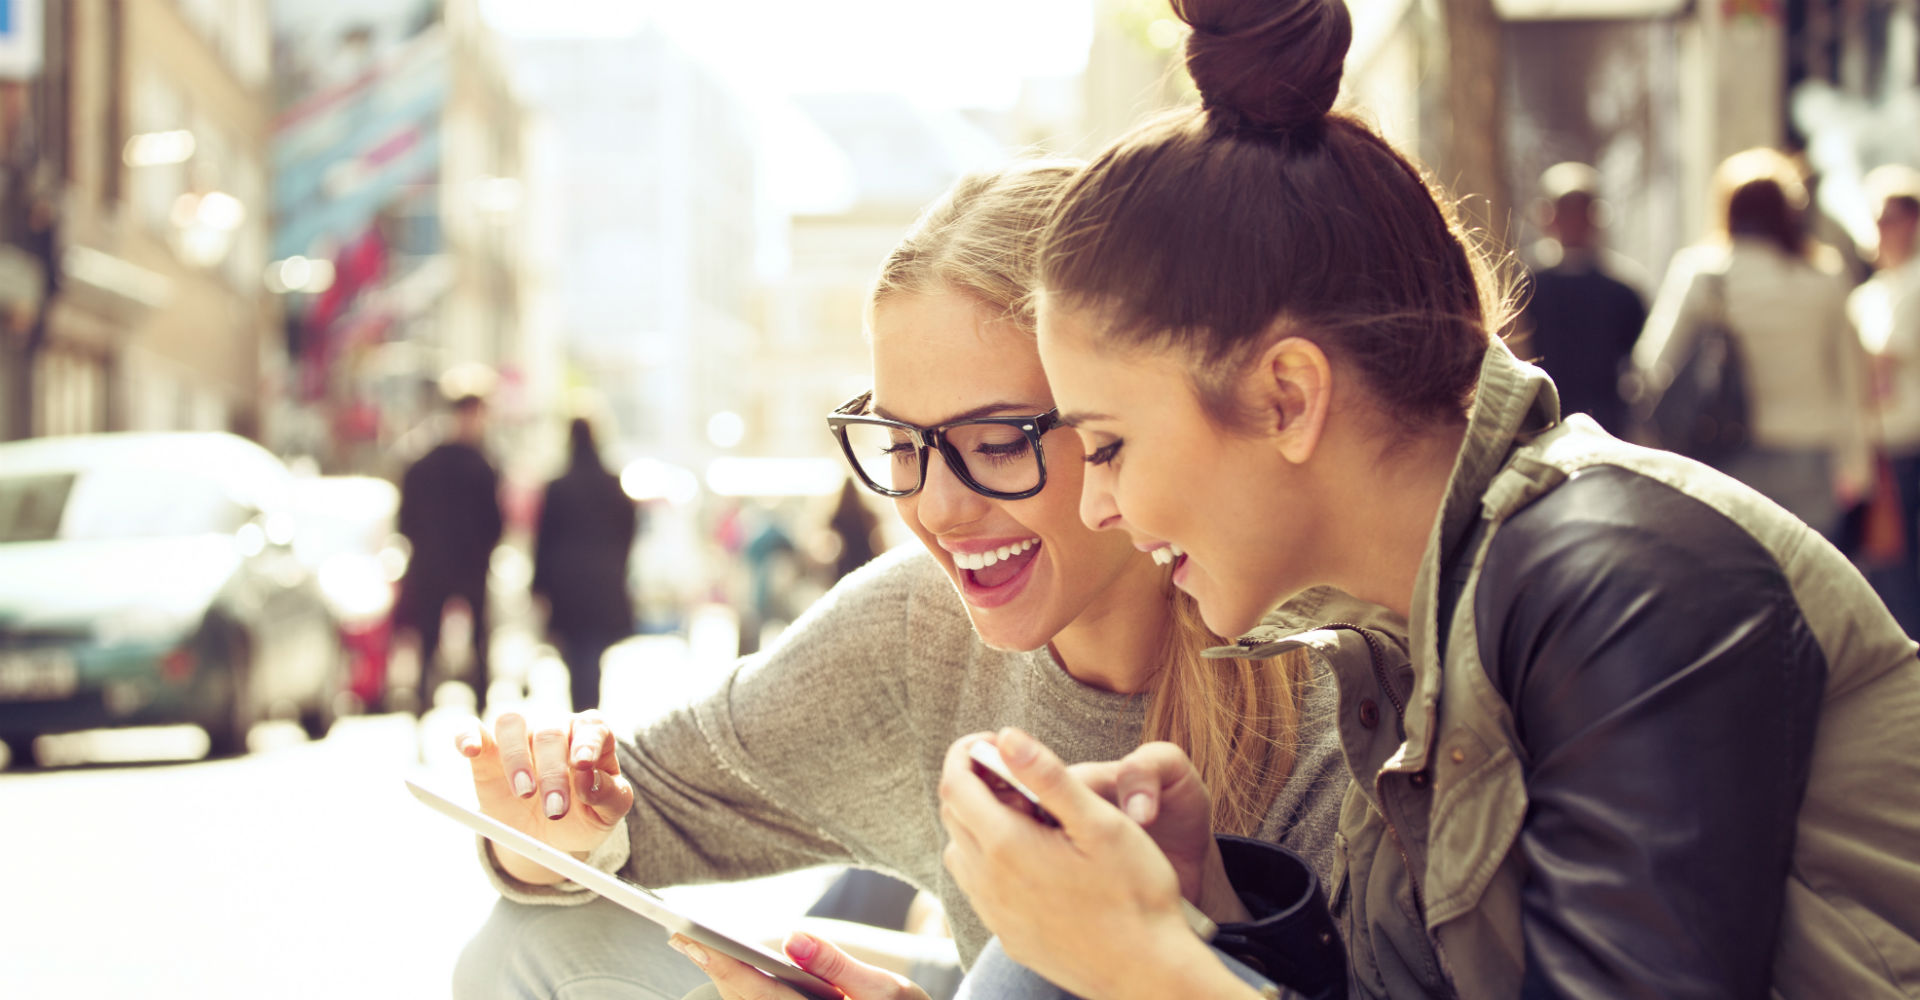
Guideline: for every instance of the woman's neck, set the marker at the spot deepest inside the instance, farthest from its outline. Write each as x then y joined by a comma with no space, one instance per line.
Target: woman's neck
1116,644
1388,510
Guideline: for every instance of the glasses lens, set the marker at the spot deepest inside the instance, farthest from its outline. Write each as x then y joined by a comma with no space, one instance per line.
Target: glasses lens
999,457
886,455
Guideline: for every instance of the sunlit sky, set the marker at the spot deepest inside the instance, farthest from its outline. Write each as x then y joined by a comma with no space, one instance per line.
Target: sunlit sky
971,55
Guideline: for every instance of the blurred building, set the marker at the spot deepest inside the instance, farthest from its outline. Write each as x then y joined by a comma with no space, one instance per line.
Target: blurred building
400,208
812,352
654,160
1654,93
134,216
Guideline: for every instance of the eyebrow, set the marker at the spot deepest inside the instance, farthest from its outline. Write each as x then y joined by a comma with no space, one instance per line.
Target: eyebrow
1076,418
990,409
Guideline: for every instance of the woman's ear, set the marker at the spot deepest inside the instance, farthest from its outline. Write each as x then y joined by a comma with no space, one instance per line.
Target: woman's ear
1293,389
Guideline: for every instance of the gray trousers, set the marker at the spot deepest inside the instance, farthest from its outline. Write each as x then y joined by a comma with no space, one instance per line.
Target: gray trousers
994,976
600,951
594,951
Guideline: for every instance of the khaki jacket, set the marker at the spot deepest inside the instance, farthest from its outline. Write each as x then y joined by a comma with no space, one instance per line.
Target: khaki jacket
1429,884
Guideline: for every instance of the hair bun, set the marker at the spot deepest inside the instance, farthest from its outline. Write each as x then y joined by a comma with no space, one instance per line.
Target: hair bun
1276,65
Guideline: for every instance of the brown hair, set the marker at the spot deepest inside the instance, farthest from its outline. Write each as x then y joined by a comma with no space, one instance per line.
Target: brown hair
1235,718
1763,197
1214,230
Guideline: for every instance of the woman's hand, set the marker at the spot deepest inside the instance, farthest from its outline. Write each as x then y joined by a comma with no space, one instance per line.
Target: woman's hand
856,980
1158,787
560,783
1093,905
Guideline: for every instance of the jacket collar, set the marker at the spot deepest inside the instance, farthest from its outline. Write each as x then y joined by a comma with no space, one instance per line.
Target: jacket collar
1513,403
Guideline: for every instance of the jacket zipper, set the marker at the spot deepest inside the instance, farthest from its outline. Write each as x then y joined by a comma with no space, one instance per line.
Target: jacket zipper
1400,720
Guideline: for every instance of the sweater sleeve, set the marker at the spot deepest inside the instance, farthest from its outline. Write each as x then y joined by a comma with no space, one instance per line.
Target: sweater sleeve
1852,446
765,773
1669,324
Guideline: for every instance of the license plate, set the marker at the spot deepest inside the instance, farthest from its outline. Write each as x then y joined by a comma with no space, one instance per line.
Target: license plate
37,675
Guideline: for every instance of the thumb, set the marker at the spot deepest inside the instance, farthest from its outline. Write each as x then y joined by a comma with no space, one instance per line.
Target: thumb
1069,800
857,979
1150,774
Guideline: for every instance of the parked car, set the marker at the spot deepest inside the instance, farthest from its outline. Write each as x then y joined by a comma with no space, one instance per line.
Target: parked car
345,533
149,579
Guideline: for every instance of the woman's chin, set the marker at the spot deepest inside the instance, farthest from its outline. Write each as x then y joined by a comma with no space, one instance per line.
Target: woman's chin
996,632
1225,618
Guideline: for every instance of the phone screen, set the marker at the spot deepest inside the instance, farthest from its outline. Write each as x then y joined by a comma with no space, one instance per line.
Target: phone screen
1008,789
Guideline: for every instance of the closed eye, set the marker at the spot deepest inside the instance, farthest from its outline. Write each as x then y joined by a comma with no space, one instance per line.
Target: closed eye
1104,454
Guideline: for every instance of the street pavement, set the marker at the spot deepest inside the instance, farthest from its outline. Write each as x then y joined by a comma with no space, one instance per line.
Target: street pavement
301,870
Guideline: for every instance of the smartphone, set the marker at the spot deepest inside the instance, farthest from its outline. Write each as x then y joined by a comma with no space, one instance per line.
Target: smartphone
993,770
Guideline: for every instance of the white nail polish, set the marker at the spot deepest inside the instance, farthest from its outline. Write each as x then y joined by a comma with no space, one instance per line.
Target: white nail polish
523,784
556,805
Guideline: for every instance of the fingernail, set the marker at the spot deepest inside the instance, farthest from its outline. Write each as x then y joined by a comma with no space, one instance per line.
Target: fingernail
1137,806
556,805
596,781
583,756
469,743
523,784
801,948
1015,747
693,951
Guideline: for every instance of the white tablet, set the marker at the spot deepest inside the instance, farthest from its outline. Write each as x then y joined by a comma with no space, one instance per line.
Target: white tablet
631,896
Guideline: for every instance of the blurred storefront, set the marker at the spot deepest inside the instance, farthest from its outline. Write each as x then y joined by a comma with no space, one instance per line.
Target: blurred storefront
134,216
400,207
1654,93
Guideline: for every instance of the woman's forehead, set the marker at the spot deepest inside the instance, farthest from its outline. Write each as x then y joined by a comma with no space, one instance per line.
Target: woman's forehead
938,354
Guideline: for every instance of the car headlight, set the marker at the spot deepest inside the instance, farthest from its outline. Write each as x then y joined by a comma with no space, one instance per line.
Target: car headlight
355,587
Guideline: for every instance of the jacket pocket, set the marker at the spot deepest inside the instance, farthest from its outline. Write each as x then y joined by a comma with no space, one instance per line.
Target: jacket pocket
1478,810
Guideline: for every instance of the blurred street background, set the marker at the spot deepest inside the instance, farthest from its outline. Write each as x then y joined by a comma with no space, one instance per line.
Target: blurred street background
260,258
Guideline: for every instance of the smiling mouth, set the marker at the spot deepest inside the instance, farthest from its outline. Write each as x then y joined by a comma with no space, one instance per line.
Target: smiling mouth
1166,554
982,560
988,570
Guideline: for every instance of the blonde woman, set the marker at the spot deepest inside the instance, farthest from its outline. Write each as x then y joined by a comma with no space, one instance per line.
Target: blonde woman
827,748
1805,369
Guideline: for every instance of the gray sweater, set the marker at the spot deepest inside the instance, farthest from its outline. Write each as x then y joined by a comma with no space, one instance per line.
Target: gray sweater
826,748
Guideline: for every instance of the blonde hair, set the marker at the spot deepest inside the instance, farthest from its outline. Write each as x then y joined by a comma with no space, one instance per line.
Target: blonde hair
1236,719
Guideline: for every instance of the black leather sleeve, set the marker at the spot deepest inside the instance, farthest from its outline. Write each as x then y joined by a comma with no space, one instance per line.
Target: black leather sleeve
1291,939
1666,688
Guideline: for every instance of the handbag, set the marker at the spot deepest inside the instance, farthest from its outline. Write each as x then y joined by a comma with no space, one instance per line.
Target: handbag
1702,412
1872,530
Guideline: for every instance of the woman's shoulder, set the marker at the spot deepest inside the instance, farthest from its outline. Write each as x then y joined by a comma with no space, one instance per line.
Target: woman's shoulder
900,598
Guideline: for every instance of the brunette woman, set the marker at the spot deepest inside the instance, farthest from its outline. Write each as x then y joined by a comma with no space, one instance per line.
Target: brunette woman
1658,737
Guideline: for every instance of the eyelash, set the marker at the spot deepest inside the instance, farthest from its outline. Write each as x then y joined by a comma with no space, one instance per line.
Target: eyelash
1104,454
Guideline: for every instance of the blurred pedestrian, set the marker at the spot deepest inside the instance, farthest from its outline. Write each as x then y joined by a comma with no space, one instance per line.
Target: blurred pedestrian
1583,320
1887,312
856,528
1804,370
450,514
580,555
773,568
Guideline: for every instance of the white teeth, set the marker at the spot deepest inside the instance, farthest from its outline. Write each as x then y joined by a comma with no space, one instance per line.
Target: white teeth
981,560
1166,554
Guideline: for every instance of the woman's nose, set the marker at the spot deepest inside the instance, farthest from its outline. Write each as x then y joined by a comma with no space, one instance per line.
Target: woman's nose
945,501
1097,507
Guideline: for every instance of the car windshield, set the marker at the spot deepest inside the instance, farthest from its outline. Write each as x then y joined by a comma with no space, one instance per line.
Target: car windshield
116,502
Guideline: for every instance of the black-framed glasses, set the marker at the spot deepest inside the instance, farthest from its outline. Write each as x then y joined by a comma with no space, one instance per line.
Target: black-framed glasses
999,457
